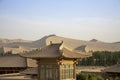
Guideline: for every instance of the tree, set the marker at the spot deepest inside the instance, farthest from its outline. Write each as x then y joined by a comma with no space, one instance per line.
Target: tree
101,58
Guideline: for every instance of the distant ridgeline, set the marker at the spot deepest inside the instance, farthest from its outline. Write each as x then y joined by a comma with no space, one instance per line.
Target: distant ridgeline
101,58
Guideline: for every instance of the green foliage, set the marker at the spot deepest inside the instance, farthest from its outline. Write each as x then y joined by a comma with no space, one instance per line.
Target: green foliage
99,78
88,77
118,61
117,78
110,78
101,58
82,77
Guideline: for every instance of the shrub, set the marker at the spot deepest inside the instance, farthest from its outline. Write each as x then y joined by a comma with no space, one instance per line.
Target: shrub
117,78
88,77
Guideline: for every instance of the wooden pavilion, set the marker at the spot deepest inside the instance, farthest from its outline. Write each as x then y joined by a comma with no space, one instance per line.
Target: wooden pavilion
12,63
56,62
113,71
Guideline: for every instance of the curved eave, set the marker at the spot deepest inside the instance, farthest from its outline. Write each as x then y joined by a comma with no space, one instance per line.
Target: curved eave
55,51
76,57
50,51
43,57
38,57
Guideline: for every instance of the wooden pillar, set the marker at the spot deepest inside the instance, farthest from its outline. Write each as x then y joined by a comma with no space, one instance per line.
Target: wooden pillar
75,62
74,74
38,65
59,61
59,71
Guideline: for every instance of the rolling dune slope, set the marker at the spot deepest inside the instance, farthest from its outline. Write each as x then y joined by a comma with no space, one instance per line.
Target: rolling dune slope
92,45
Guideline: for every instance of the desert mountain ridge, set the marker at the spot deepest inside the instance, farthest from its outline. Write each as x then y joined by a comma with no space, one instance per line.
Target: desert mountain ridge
95,40
6,41
12,40
92,45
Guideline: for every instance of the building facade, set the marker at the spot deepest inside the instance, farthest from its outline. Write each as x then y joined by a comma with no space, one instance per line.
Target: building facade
12,64
113,71
55,62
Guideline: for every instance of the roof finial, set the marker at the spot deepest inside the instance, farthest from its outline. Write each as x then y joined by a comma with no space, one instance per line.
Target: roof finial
61,41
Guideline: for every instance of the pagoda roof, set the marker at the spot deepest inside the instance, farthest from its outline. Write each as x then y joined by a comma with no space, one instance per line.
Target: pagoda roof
12,61
113,69
55,50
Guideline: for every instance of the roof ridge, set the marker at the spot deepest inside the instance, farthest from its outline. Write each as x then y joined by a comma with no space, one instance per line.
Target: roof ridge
66,47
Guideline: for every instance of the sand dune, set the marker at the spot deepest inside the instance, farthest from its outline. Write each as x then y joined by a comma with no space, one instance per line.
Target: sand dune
92,45
32,44
12,40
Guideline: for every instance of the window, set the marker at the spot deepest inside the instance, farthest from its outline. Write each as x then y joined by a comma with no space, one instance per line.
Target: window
42,72
67,71
49,72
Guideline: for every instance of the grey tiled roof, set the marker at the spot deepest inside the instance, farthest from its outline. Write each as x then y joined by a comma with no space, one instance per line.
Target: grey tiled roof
50,51
12,61
114,69
55,51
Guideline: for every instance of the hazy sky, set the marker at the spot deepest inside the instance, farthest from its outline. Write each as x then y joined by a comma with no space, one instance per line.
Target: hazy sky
79,19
